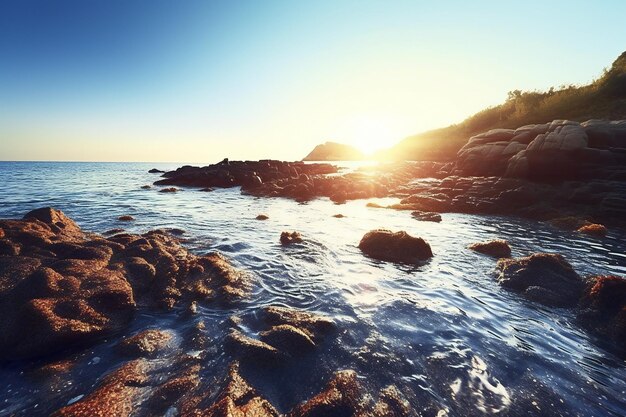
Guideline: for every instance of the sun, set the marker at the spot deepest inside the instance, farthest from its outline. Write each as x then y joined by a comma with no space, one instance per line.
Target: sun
369,133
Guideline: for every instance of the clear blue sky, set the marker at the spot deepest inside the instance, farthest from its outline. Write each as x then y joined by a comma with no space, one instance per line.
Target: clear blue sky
197,81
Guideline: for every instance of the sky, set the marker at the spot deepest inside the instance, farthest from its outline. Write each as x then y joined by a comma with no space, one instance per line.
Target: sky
197,81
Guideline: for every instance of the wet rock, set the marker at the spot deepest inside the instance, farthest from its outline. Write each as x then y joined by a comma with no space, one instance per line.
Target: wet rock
262,217
497,248
340,397
126,218
155,171
593,229
395,247
288,238
542,277
602,308
568,223
237,398
250,349
146,187
287,338
338,216
62,288
115,231
116,395
168,190
426,216
145,344
315,326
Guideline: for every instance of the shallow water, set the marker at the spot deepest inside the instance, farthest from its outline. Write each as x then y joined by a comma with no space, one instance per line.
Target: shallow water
445,333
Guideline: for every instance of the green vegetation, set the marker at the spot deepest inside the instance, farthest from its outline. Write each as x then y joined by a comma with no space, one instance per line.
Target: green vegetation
604,98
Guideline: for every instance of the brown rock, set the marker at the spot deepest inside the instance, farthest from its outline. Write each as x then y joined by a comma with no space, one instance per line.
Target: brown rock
395,247
497,248
288,238
341,397
116,395
262,217
593,230
603,308
126,218
542,277
145,344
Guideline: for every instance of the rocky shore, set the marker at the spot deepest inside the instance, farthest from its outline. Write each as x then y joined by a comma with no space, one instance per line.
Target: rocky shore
544,172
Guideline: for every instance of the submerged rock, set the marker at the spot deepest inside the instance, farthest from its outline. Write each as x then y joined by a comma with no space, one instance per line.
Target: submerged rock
396,247
262,217
168,190
602,309
497,248
542,277
126,218
338,216
287,238
60,287
145,344
426,216
146,187
155,171
593,230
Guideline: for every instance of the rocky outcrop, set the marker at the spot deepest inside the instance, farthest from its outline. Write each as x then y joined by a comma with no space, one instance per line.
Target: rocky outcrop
395,247
332,151
248,174
602,308
61,287
558,150
542,277
281,334
497,248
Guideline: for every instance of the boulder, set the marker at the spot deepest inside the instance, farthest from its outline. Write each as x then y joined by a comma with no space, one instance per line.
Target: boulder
497,248
288,238
262,217
395,247
542,277
602,308
145,344
593,229
426,216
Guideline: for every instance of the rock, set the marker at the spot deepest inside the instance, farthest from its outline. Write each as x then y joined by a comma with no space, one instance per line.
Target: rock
315,326
145,344
126,218
542,277
497,248
396,247
262,217
250,349
568,223
338,216
288,238
207,189
426,216
168,190
602,308
146,187
341,397
116,395
155,171
593,229
287,338
61,288
331,151
115,231
239,399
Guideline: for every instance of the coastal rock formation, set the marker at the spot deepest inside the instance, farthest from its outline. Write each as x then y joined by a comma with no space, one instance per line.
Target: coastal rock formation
282,333
61,287
602,308
542,277
593,229
332,151
248,174
262,217
559,150
497,248
395,247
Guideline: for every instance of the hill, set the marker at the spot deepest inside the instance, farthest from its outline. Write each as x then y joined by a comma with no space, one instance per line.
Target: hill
332,151
604,98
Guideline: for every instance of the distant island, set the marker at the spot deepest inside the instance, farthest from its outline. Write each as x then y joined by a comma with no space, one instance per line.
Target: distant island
604,98
332,151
